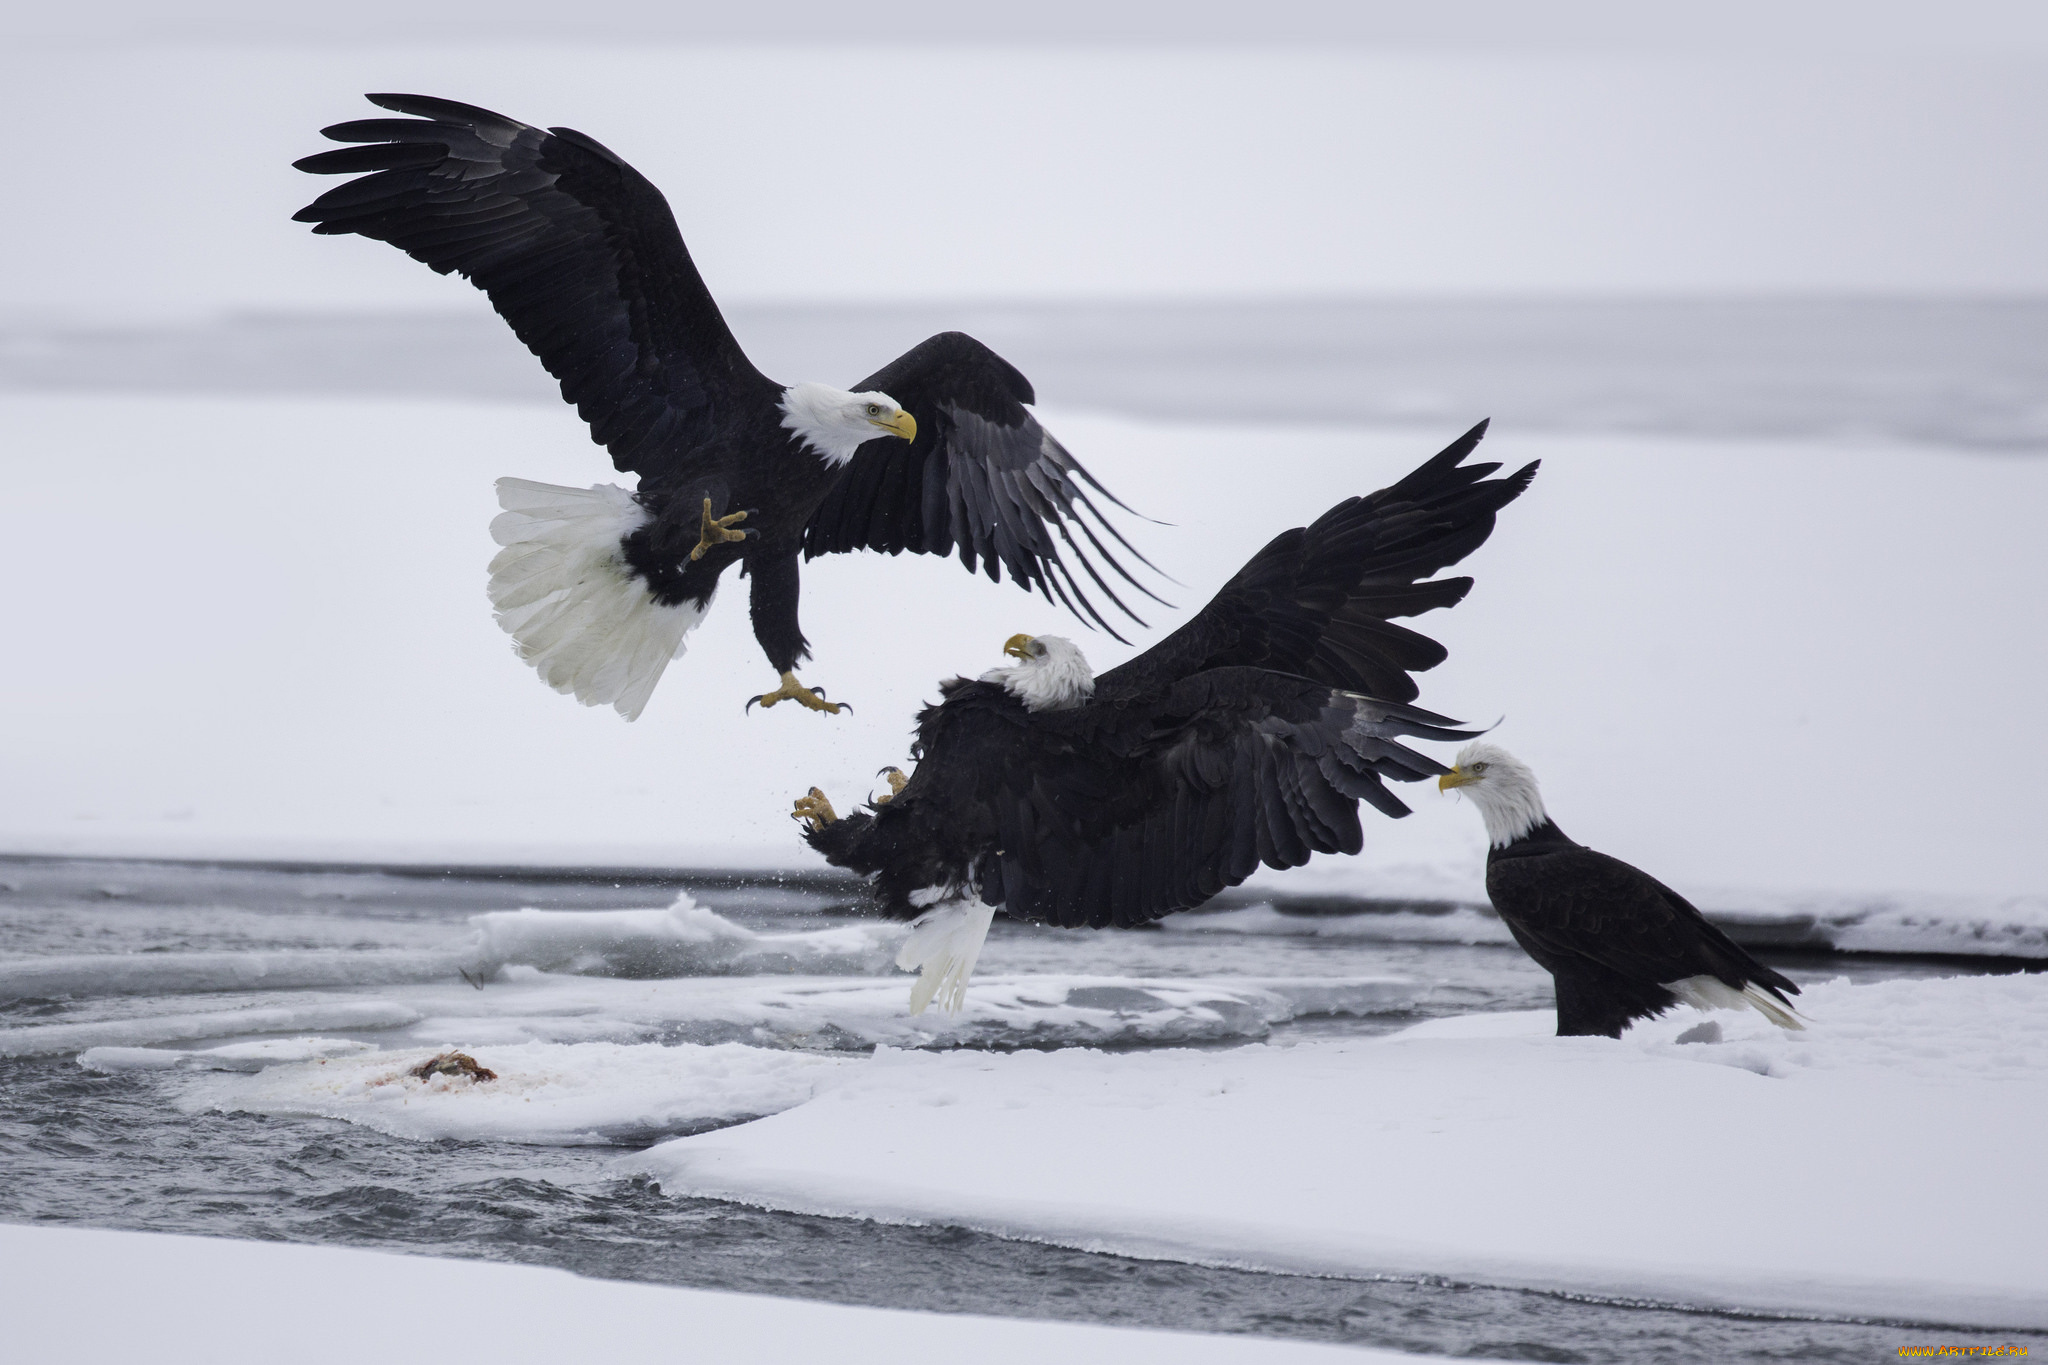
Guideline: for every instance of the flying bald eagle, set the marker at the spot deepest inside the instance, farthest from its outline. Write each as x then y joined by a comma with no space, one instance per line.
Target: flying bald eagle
1620,945
934,453
1247,736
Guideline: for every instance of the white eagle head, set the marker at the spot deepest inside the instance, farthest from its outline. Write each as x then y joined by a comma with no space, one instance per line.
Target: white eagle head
1502,786
1050,674
835,423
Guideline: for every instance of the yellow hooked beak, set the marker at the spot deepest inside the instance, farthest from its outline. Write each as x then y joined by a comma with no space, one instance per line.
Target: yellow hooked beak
1456,777
1019,645
898,423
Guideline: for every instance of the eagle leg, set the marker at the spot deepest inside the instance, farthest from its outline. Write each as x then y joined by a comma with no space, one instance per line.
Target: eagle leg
814,811
717,531
897,782
810,698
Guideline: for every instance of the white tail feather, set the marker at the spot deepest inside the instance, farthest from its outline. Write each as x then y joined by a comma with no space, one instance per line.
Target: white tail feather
1712,993
573,608
943,945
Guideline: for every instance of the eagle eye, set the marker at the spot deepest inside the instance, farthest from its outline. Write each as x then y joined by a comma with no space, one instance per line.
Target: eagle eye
1479,767
874,409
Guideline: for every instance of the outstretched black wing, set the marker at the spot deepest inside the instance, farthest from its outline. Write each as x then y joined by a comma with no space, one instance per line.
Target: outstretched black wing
1104,816
575,248
1240,767
982,477
1316,600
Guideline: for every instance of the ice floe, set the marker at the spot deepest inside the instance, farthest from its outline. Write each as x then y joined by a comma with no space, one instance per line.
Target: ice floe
1882,1163
682,940
551,1093
828,1012
166,973
250,1056
409,1310
56,1040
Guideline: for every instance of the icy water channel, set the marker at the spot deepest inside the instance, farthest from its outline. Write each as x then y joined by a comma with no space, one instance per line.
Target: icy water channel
108,971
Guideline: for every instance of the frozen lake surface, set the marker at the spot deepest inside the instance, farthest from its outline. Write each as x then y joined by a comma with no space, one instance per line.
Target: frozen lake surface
372,964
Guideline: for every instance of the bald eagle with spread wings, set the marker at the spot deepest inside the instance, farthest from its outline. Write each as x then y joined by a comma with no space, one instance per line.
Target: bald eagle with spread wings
935,453
1247,736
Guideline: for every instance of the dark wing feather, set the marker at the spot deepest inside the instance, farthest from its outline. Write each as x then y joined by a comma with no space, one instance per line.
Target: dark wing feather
1239,767
983,478
1316,601
576,250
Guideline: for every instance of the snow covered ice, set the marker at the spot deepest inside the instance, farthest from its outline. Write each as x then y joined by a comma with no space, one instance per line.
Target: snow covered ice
1568,632
1735,1173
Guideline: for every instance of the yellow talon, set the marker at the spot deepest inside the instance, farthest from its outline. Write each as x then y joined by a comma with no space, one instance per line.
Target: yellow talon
897,782
813,811
810,698
716,531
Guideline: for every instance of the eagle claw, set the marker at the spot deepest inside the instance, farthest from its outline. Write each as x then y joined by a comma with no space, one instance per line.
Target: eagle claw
717,531
810,698
897,782
813,811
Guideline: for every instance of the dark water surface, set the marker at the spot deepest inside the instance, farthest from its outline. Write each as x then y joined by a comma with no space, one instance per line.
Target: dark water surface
115,1150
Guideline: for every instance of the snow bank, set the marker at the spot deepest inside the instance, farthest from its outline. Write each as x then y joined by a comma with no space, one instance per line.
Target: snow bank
683,940
1958,926
1966,926
551,1093
1882,1163
202,1301
1595,627
1458,924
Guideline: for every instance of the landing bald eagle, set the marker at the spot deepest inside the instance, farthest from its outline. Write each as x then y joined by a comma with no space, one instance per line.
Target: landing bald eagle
934,453
1249,735
1620,945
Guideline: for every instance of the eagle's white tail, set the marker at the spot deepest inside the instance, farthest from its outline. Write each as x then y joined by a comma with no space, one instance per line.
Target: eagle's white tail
1712,993
565,595
943,945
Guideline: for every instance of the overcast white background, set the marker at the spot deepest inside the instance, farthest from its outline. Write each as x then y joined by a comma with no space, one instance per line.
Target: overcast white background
1304,150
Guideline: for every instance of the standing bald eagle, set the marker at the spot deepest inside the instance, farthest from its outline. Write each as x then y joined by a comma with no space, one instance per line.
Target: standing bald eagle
934,453
1620,944
1247,736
